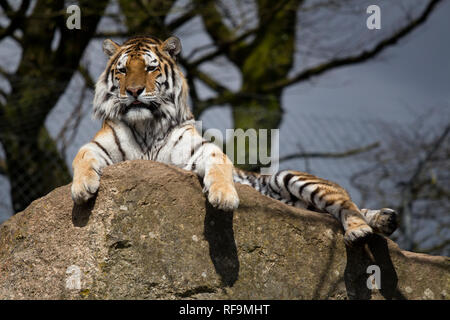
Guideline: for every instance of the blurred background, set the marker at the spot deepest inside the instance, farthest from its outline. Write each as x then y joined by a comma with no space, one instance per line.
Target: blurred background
369,109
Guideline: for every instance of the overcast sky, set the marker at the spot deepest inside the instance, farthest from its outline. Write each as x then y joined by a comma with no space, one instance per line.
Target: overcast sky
412,75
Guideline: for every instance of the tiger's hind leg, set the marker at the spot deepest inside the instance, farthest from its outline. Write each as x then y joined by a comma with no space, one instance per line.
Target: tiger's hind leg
324,196
383,221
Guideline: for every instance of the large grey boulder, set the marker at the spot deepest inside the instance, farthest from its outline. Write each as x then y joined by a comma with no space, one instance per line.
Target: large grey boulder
151,234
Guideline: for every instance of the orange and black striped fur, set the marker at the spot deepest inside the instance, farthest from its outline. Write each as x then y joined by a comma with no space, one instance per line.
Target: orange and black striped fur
142,99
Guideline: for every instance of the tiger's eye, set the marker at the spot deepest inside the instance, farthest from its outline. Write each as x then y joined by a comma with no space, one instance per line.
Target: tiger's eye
122,70
151,68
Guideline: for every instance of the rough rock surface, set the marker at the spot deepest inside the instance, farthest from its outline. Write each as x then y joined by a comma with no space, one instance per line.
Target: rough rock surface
150,234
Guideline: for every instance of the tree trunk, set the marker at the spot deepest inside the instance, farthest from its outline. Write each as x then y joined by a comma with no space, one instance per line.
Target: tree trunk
268,59
34,164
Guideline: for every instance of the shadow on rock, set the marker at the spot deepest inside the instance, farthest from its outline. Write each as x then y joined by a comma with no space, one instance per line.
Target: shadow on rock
82,212
218,231
359,258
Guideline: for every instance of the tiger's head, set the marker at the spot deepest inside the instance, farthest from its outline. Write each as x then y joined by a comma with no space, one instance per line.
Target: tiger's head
142,82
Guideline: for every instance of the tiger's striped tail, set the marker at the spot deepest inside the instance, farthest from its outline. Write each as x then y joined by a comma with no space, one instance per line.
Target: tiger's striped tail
307,191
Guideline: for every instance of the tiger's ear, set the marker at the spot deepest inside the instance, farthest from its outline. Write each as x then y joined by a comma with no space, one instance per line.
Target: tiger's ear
172,46
110,47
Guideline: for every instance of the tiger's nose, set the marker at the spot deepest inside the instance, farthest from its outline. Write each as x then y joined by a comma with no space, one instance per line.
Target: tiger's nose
135,91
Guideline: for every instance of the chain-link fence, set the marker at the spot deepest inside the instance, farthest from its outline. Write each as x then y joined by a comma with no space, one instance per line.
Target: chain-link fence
296,135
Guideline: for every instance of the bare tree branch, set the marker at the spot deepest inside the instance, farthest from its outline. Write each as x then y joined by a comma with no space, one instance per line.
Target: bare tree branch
182,19
350,152
3,94
363,56
16,19
3,167
90,83
411,188
420,167
225,39
221,49
223,98
435,248
5,74
210,82
6,7
212,20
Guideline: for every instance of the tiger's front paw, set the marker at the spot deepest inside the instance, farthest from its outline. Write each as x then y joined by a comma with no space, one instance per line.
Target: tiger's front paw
357,234
85,186
223,196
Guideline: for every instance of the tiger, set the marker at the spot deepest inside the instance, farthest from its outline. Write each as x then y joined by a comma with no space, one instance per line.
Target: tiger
142,100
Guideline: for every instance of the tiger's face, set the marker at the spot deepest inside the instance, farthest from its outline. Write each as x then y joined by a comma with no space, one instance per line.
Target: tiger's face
141,81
